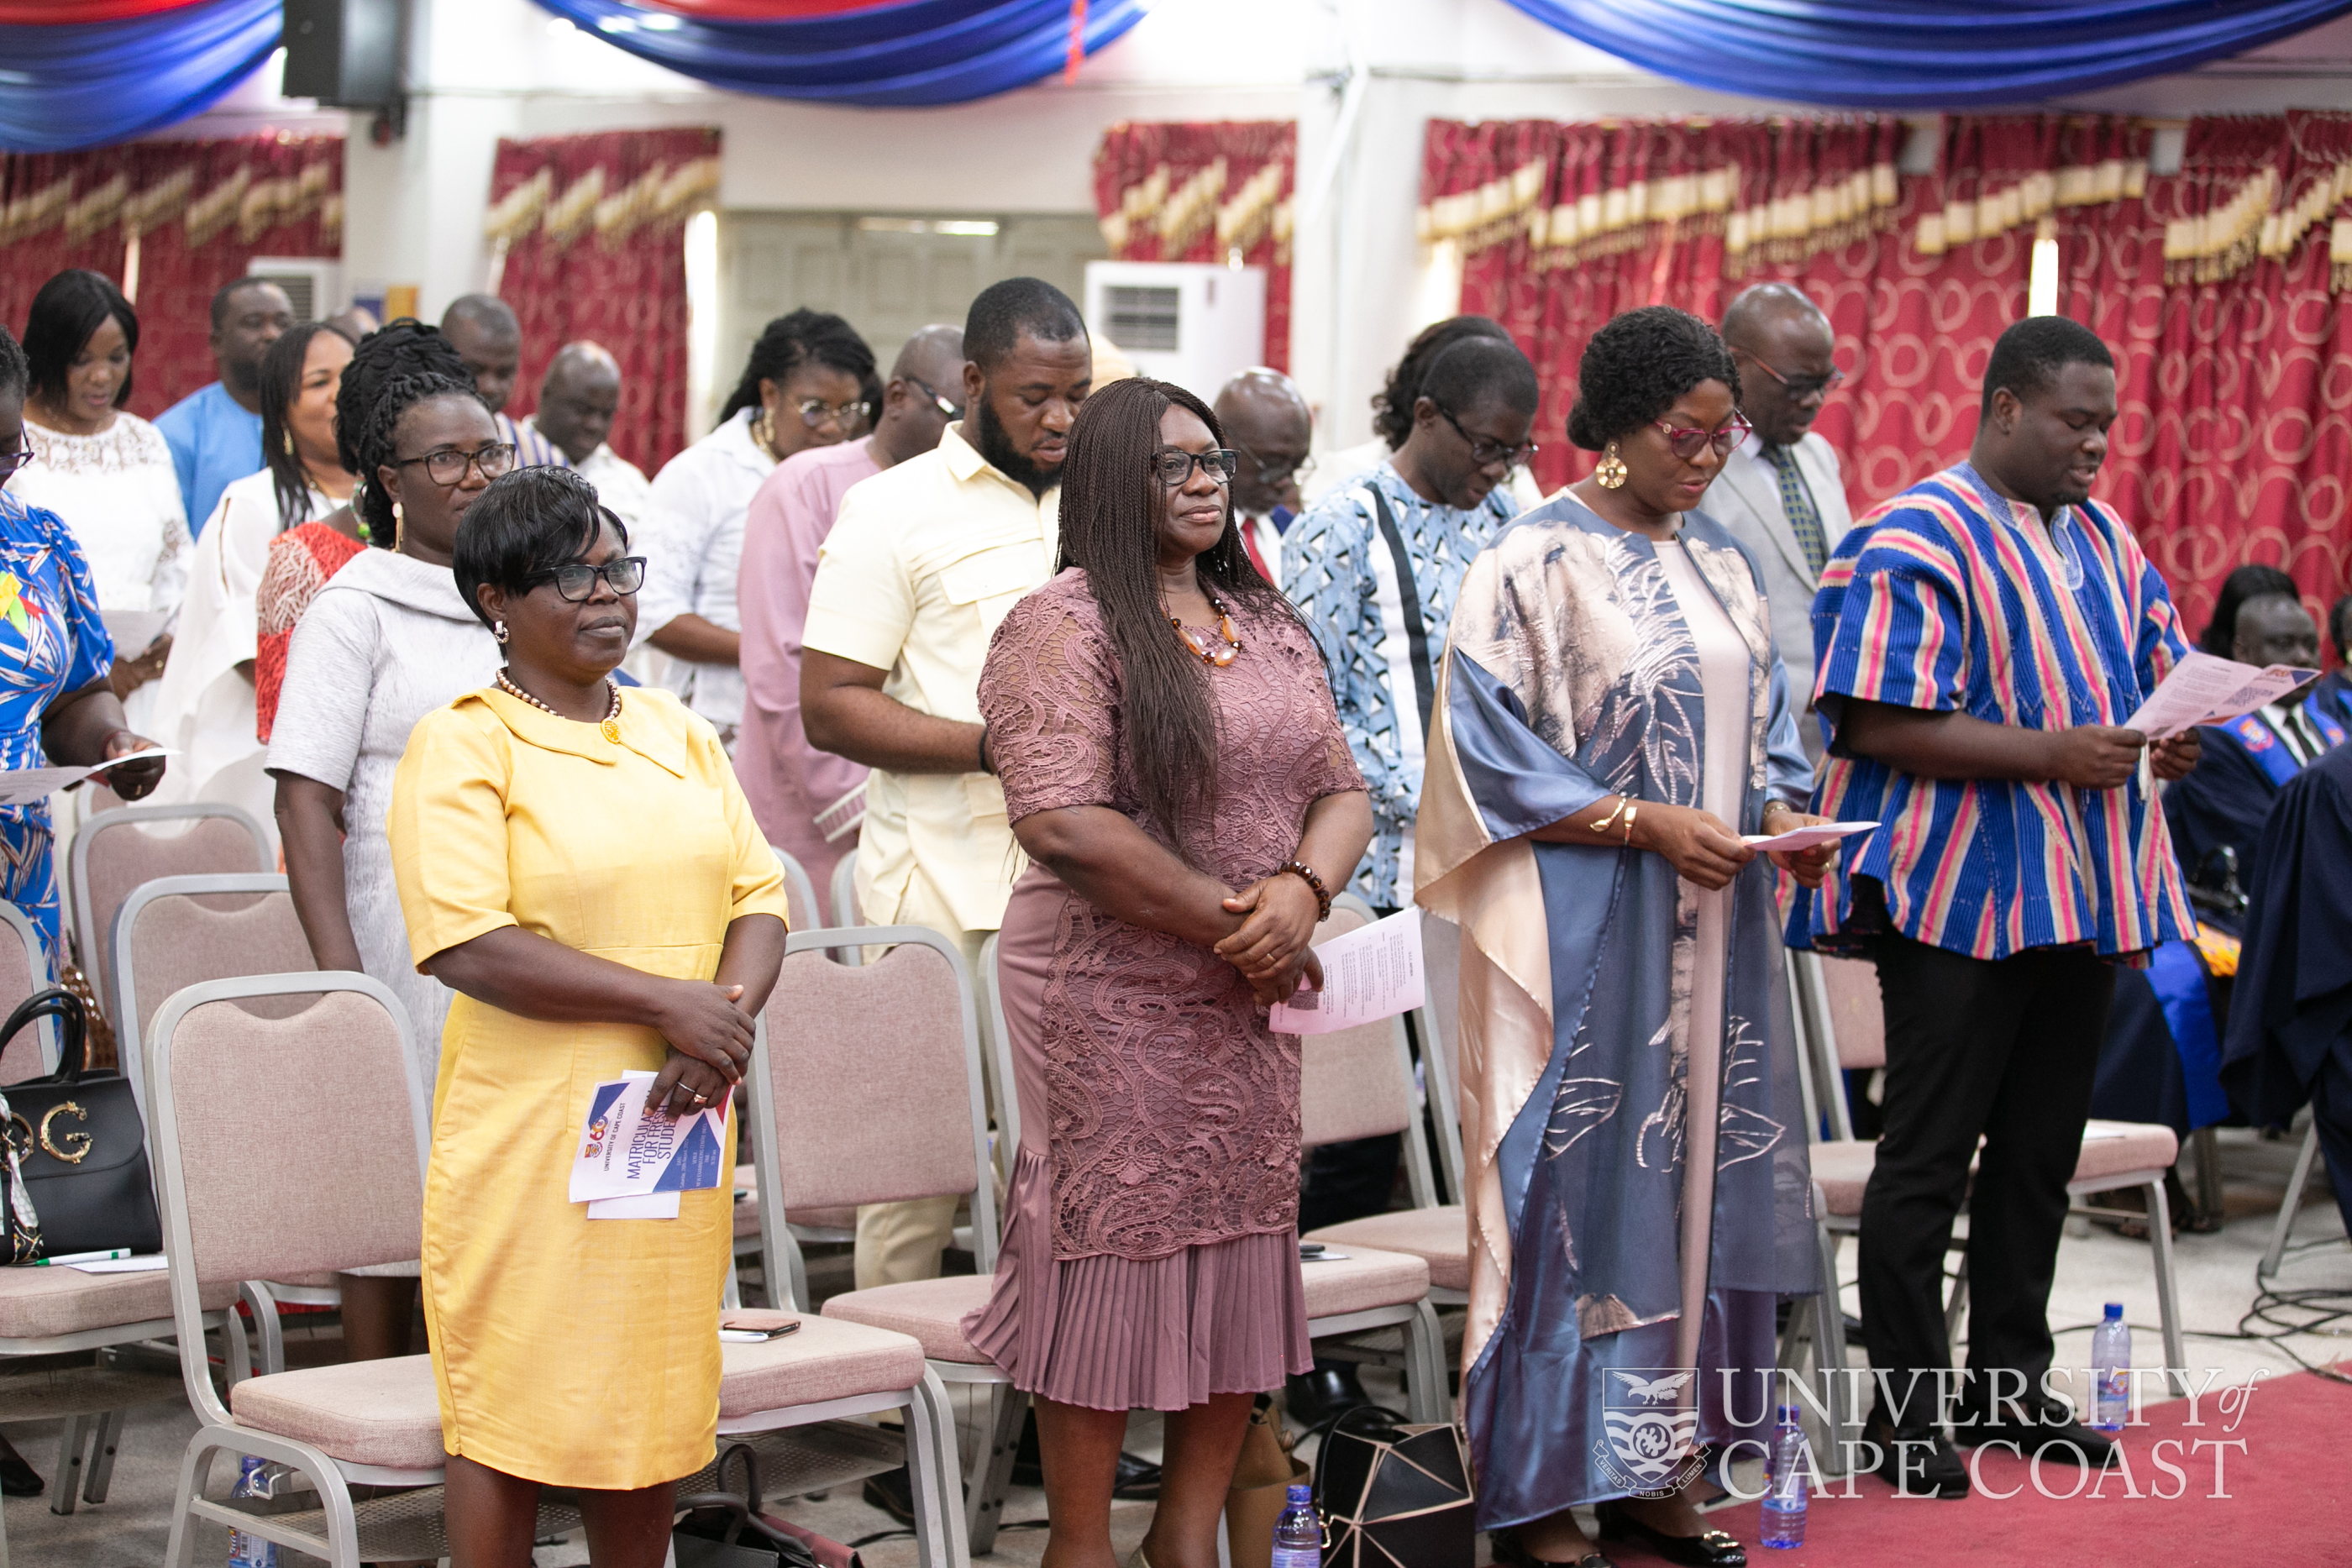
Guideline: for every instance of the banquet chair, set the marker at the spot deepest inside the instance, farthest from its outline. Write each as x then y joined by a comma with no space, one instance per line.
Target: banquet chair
866,1087
2290,1202
115,852
845,904
1438,1024
47,1312
1841,1028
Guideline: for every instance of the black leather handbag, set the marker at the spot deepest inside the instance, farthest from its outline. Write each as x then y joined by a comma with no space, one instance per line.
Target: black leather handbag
80,1145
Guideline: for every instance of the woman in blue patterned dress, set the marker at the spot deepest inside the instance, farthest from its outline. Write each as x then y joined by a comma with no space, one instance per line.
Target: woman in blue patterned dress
56,708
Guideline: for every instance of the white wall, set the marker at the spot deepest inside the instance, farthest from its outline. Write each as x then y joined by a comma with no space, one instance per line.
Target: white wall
484,68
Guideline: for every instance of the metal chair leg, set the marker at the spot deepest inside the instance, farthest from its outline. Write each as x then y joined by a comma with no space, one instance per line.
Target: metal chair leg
101,1456
2167,1305
71,1446
1829,1357
2290,1204
1956,1311
933,1472
271,1326
992,1466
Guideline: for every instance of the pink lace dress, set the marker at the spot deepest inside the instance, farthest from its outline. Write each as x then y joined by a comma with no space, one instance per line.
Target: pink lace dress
1149,1255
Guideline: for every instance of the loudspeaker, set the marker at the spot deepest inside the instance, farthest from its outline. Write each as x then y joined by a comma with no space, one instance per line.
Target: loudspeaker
345,53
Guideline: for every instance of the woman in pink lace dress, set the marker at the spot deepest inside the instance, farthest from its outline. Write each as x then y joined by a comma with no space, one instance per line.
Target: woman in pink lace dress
1186,794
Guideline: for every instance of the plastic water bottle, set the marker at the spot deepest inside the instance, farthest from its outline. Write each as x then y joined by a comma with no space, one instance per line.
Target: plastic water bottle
2111,1365
251,1551
1298,1534
1785,1467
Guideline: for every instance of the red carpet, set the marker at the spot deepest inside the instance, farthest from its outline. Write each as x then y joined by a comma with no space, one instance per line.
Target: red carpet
2289,1502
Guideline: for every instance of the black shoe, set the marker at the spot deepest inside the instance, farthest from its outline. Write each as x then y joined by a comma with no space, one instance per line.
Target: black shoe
1917,1461
1314,1397
1708,1549
2051,1432
892,1492
1508,1550
18,1479
1138,1479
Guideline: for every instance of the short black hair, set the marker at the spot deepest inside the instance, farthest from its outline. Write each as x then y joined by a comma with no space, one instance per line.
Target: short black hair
1392,404
788,342
1634,367
528,520
16,378
2028,355
395,367
69,308
230,290
2240,589
1477,372
1018,307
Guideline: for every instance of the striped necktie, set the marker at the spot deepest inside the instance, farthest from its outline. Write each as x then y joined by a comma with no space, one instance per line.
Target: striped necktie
1797,504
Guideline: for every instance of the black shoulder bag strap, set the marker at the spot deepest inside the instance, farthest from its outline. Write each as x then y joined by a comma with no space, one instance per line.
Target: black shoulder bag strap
1416,626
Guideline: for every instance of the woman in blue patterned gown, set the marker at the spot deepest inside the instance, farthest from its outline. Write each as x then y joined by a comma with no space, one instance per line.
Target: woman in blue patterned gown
55,707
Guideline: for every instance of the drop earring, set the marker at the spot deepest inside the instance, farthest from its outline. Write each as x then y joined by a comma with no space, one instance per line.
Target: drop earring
1610,471
396,525
498,630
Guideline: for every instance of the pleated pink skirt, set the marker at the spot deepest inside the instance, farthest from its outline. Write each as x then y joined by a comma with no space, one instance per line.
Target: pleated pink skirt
1111,1334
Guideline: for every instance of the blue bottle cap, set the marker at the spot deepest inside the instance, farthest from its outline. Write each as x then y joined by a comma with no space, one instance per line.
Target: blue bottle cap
2115,1311
1301,1492
1788,1413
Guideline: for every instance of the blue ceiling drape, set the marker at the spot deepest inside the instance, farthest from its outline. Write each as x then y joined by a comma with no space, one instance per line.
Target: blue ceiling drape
921,52
88,84
1924,53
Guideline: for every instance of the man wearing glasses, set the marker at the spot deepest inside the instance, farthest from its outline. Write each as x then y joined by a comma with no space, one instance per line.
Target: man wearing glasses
1779,492
1269,427
810,803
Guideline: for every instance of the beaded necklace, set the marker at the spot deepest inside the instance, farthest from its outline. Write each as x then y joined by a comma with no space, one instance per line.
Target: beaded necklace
1218,657
610,726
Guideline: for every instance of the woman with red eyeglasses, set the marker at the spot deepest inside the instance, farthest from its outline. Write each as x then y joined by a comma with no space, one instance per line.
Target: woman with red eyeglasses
1612,719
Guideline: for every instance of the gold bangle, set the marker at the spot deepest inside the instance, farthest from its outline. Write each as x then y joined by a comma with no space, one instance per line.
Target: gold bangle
1632,809
1609,821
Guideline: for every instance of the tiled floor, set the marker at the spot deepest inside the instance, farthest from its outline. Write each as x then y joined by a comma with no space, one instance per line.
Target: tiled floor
2096,1266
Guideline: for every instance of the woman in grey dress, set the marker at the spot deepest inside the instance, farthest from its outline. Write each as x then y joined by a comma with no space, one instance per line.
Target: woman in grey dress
386,642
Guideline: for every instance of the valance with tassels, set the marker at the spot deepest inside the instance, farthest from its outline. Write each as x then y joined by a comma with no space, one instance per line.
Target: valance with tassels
2273,179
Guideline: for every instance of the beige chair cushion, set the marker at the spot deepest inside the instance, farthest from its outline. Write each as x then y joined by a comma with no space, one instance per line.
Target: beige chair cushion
383,1413
41,1303
822,1360
1363,1280
1438,1236
931,1310
2131,1146
1841,1170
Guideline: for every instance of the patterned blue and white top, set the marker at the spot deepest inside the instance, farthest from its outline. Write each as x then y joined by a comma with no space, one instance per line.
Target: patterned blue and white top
1380,598
51,642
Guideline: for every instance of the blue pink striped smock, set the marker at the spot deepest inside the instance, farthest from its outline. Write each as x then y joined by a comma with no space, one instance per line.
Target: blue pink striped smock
1950,597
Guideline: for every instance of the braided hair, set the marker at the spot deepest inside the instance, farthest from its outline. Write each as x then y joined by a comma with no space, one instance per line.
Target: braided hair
1112,504
395,368
787,343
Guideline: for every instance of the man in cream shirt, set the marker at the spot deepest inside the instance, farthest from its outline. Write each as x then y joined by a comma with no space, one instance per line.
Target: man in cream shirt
924,560
1780,493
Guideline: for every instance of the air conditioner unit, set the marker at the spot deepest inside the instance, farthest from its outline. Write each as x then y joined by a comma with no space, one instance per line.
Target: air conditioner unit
1194,323
314,285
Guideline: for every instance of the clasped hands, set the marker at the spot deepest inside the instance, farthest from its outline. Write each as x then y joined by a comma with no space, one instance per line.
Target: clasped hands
709,1040
1272,947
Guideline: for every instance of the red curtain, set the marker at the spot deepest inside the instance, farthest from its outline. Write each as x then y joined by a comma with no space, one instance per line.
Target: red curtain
199,211
592,230
1201,191
2220,296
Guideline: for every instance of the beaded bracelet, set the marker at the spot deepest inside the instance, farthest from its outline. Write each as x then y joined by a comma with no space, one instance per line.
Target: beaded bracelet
1322,894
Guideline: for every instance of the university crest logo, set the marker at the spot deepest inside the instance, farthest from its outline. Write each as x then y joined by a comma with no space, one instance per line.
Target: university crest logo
1651,1423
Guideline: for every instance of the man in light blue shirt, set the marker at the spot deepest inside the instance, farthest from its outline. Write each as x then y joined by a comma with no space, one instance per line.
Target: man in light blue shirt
214,433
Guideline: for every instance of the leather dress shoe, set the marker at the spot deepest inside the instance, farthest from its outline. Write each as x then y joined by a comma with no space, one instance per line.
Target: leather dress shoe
1708,1549
892,1492
1917,1461
1138,1479
1314,1397
2052,1432
1508,1550
18,1479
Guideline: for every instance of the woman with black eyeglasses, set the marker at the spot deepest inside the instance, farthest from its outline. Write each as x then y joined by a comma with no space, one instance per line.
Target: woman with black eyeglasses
1612,718
577,862
1173,766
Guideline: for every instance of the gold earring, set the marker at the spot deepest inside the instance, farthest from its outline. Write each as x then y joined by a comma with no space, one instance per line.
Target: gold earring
395,525
1610,471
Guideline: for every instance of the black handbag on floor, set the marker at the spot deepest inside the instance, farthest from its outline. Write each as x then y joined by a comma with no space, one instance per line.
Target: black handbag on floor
1390,1492
80,1145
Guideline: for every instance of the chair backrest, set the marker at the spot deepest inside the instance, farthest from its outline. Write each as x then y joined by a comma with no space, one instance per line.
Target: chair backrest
1003,1093
1858,1014
116,852
1438,1025
24,969
867,1083
283,1145
1358,1082
179,930
800,894
845,895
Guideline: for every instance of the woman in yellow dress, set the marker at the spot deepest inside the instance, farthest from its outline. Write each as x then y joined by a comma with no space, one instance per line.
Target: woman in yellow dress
581,868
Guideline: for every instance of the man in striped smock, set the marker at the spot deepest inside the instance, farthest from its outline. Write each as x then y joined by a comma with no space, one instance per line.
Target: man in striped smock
1980,640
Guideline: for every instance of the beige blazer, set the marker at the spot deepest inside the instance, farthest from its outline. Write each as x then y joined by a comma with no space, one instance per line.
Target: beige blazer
1745,498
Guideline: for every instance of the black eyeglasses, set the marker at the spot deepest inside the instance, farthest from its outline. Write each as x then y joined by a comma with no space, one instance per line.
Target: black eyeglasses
816,412
576,581
448,467
1174,465
1485,453
12,461
1275,471
953,411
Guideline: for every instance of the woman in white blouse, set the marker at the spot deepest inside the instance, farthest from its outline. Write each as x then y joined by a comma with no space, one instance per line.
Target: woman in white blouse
204,705
106,472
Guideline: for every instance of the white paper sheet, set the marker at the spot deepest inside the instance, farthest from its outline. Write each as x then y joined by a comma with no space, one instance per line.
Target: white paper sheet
133,630
644,1206
22,786
1371,973
2203,689
1804,838
627,1155
152,1263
